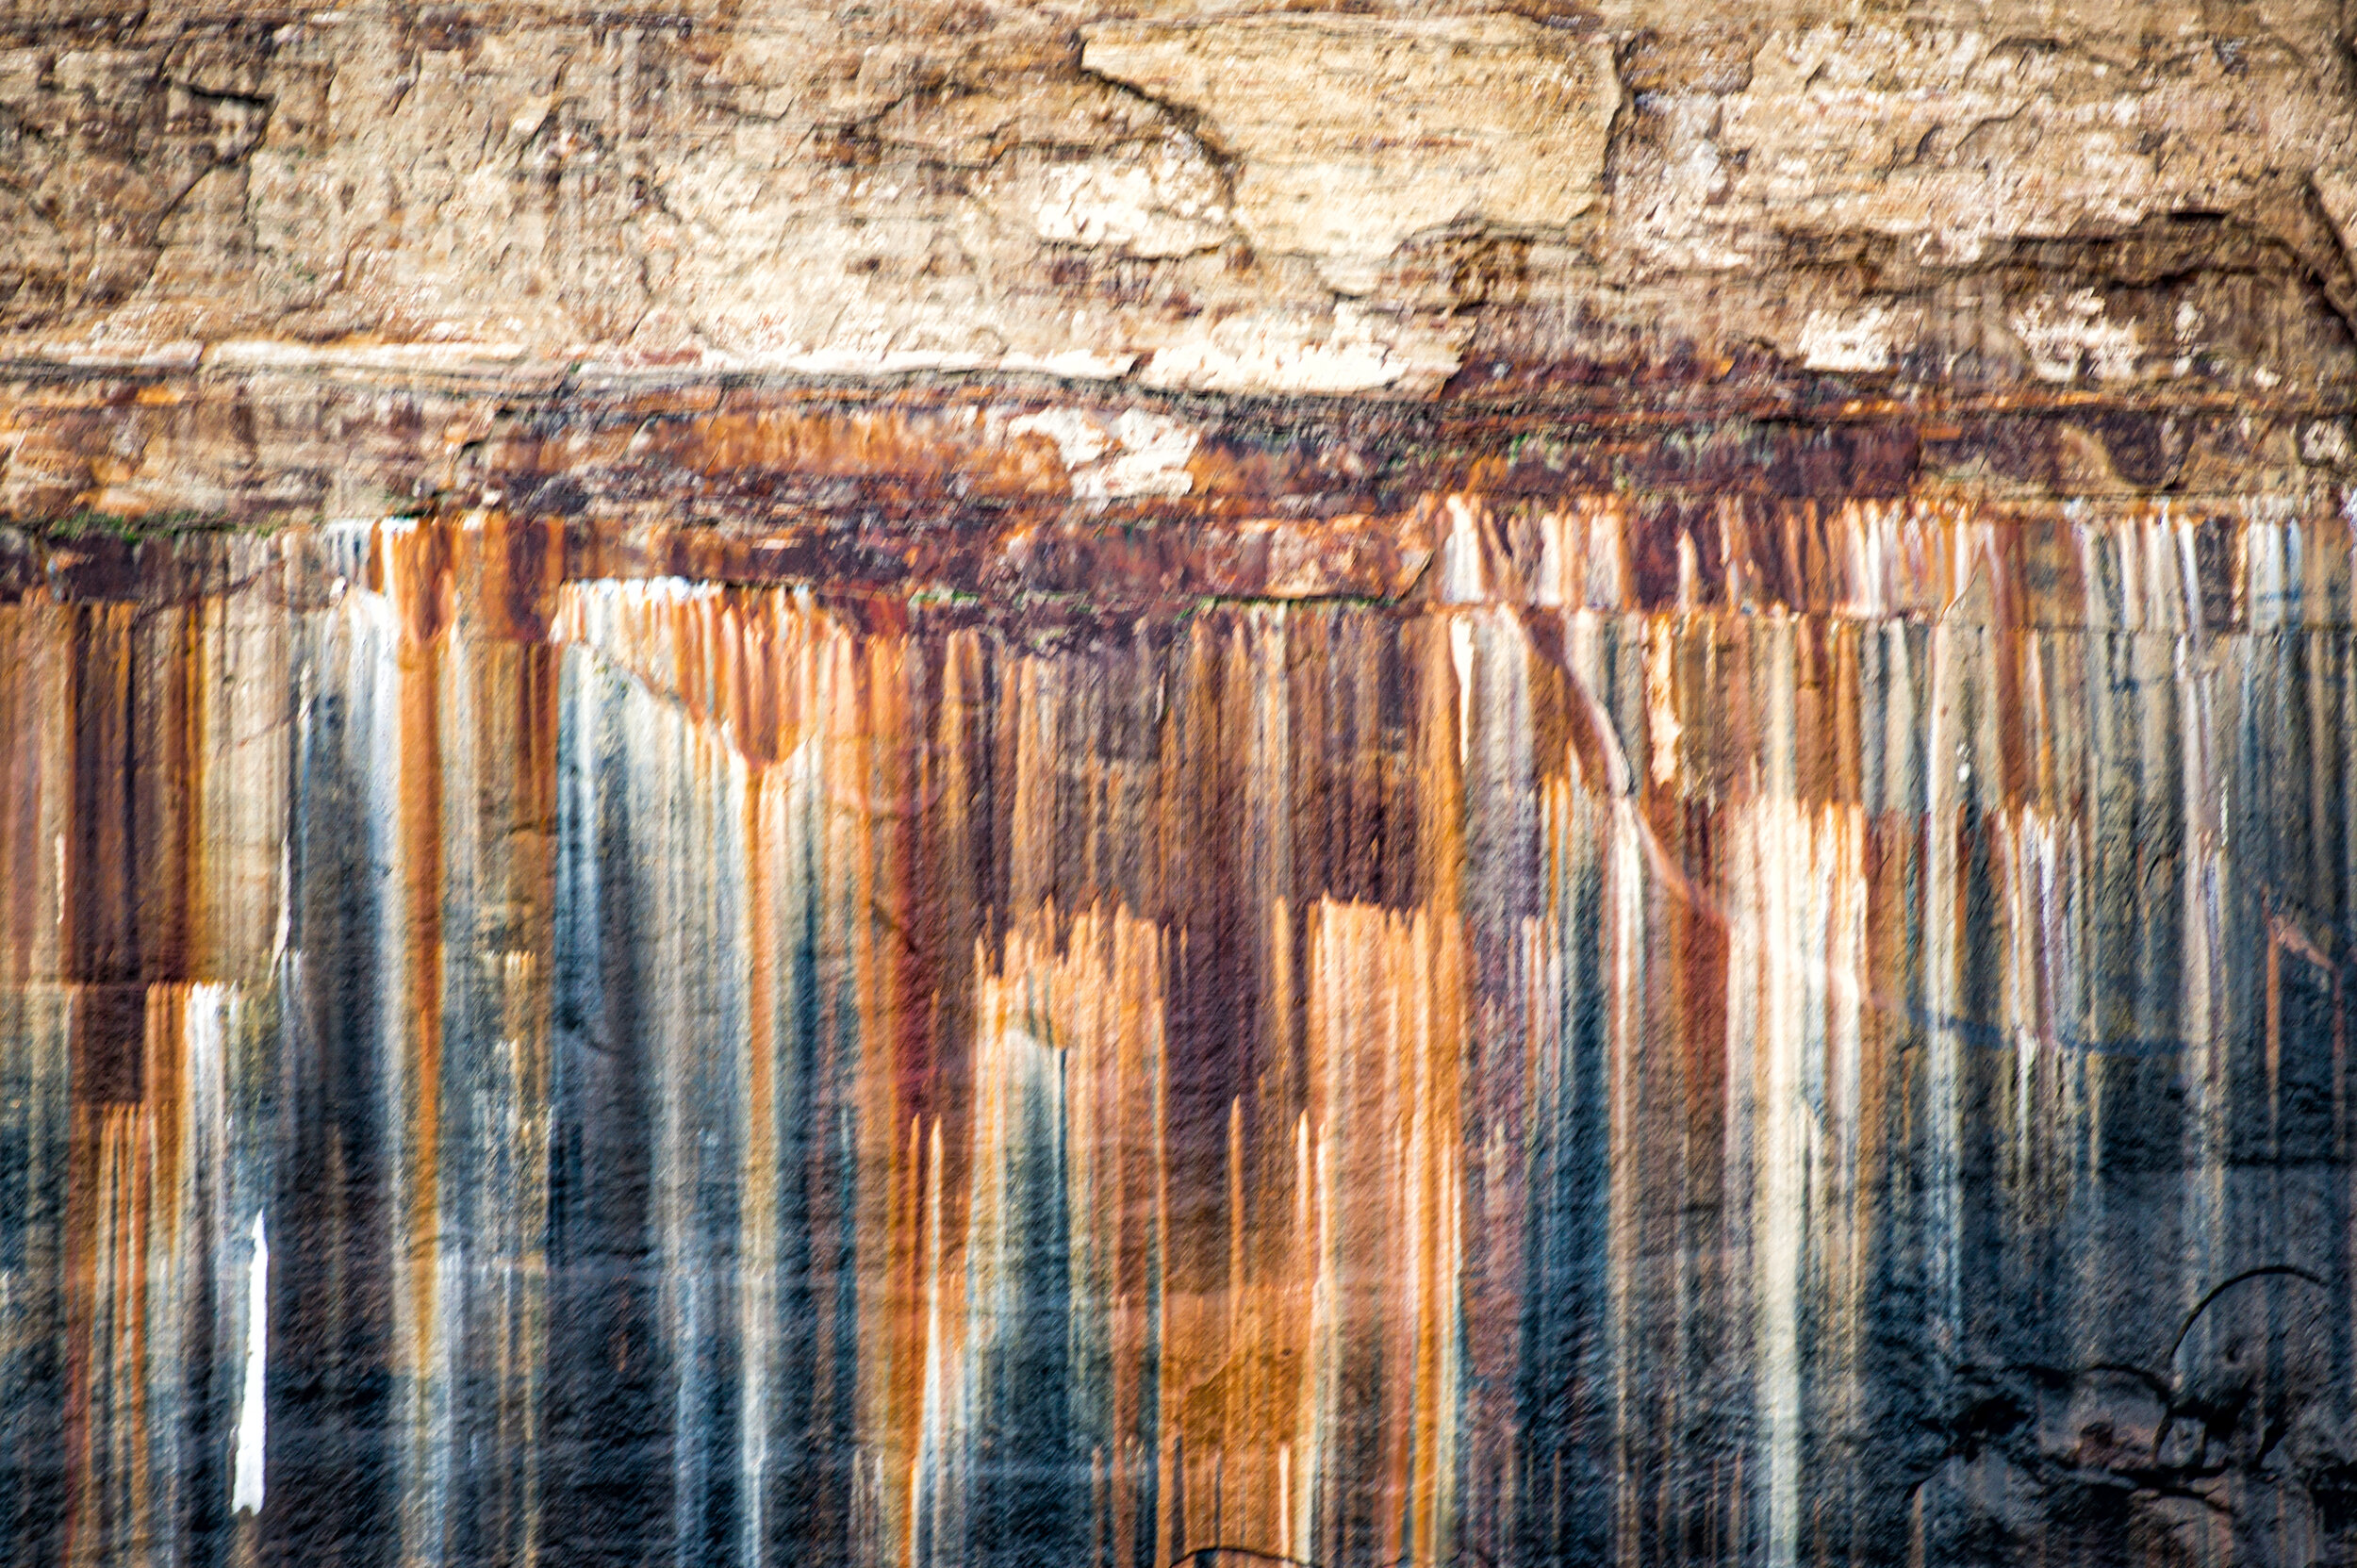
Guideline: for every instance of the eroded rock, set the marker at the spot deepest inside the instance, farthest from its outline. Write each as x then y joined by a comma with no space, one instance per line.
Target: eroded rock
1352,133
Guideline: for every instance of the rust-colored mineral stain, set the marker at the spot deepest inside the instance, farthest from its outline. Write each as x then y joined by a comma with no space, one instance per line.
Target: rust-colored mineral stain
901,451
1336,1079
417,583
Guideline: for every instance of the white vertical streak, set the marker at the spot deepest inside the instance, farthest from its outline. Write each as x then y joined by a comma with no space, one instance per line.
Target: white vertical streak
1461,556
1460,650
246,1492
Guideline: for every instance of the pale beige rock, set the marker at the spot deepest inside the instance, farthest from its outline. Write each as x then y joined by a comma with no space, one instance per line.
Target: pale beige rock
1147,199
1953,137
1848,340
2070,335
2336,193
1112,458
1277,203
1352,133
1349,350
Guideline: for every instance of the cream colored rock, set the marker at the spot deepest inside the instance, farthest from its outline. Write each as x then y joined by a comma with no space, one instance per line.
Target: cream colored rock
1842,340
1674,213
1352,133
1350,350
1112,458
938,186
2072,334
2336,193
1956,137
1152,199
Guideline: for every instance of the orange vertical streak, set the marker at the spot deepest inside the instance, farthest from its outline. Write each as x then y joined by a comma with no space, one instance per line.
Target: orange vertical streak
416,579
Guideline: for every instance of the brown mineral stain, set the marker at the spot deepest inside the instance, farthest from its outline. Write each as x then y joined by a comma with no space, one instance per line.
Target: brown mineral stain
1342,1077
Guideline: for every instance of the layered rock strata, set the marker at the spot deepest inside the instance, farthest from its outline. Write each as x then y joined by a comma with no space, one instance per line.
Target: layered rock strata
940,785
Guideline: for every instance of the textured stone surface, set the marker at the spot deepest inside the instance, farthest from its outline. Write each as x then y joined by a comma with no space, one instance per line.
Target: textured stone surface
1576,1025
968,786
2099,195
1351,134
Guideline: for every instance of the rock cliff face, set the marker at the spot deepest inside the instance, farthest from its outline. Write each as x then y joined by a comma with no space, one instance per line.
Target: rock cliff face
2143,198
951,786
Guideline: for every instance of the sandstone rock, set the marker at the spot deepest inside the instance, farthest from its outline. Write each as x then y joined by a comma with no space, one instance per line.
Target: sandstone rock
1141,198
1347,348
1507,202
953,784
1352,133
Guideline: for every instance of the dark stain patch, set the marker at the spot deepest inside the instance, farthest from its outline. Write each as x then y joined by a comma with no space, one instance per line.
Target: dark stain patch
109,1044
1842,461
2146,448
2019,449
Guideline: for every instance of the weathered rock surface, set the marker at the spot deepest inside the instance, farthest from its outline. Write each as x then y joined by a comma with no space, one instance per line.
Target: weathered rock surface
1352,134
969,786
2096,195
